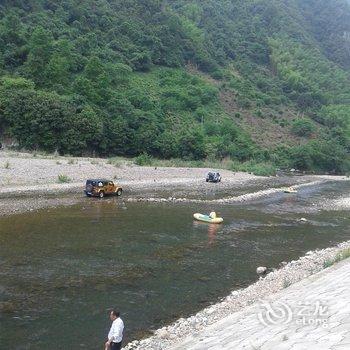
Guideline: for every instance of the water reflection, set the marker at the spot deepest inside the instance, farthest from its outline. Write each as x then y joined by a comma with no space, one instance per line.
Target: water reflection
212,230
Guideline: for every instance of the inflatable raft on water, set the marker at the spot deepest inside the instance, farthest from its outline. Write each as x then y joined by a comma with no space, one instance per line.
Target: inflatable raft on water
290,190
212,219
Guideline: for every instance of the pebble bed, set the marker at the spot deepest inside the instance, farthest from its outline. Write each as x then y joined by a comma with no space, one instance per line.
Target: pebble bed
241,198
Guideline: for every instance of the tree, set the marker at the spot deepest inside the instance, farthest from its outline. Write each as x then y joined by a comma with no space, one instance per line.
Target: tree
141,61
191,144
117,137
57,70
40,49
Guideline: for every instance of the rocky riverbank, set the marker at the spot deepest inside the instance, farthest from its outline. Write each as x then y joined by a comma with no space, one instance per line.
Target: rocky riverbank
289,273
29,182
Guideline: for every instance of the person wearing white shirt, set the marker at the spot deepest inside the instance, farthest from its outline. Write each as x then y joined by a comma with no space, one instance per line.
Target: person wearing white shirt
115,335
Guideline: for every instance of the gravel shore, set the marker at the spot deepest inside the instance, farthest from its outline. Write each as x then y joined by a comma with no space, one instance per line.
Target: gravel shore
29,182
292,272
24,170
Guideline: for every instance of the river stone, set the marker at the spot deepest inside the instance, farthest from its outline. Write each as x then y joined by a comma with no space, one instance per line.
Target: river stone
261,270
210,311
162,333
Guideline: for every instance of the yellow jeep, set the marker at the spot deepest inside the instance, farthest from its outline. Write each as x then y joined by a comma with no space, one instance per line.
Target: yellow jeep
101,188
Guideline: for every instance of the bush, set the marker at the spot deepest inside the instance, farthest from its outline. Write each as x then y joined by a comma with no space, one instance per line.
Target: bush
63,178
217,74
258,113
244,103
302,127
258,169
263,169
143,160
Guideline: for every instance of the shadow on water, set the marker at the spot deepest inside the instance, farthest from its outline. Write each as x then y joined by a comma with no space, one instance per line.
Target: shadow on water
62,269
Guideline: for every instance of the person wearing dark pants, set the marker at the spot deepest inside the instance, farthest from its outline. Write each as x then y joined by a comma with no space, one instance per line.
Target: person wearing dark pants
116,346
115,335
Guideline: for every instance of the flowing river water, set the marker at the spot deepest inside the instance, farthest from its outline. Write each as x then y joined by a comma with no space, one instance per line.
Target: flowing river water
62,269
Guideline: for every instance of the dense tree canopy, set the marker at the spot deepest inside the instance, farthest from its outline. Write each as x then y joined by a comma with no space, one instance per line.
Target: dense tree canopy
127,77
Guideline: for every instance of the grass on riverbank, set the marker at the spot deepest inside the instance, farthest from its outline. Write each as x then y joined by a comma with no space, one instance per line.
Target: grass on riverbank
63,179
259,169
344,254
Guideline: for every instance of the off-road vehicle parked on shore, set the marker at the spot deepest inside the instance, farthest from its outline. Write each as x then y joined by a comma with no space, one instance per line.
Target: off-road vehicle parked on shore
101,188
213,177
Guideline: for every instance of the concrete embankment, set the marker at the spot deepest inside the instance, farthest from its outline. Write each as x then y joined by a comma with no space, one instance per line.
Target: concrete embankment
311,314
234,323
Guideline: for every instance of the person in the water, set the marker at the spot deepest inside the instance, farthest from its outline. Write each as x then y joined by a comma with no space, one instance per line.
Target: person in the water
212,215
115,335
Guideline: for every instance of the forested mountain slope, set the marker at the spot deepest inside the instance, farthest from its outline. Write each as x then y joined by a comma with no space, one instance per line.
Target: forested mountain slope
260,81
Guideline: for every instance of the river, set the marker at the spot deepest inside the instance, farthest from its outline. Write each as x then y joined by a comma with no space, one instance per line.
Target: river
62,269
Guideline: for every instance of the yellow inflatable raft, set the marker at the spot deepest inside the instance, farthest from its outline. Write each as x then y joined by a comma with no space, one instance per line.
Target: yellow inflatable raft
211,218
290,190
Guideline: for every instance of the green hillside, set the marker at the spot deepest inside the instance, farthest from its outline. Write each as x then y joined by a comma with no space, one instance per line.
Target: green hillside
254,81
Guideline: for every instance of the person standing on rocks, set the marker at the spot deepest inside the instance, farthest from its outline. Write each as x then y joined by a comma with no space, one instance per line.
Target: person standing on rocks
115,335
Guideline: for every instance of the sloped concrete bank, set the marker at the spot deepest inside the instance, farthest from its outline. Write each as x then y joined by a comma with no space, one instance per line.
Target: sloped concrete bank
292,272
